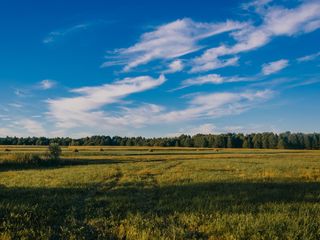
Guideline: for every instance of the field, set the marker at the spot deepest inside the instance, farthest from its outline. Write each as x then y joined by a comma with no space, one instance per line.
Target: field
162,193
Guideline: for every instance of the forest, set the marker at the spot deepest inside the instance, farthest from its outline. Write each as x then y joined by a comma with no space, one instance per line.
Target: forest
267,140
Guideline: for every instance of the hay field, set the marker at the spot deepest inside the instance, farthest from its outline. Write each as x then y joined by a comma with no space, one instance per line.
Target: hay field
162,193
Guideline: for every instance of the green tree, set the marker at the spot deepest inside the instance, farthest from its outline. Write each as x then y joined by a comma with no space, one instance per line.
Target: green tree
257,141
230,142
54,151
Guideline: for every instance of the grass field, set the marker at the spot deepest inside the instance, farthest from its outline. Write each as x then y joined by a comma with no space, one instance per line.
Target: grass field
162,193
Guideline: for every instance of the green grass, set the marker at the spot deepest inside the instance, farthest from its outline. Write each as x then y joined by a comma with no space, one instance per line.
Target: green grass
166,193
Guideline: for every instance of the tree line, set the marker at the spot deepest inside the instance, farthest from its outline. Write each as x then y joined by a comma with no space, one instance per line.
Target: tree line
265,140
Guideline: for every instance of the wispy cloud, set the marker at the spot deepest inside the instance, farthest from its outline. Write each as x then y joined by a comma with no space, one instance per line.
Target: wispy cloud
276,21
205,106
273,67
8,132
308,58
32,127
304,83
87,110
21,93
175,66
209,128
24,127
249,128
83,109
212,79
168,41
257,5
206,128
206,62
47,84
217,105
16,105
55,35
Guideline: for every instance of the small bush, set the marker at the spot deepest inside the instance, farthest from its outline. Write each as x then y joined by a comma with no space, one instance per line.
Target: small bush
54,152
75,150
101,149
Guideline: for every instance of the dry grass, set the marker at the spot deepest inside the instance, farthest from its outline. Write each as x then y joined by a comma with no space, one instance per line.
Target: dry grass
166,193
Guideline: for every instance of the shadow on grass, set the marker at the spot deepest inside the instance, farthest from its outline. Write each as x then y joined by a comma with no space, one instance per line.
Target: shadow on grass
14,166
94,210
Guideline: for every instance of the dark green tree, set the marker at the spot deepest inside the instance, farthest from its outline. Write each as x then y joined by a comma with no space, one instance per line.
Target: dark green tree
54,151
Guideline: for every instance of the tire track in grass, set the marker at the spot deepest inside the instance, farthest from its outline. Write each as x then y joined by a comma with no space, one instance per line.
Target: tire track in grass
87,208
152,188
103,187
175,164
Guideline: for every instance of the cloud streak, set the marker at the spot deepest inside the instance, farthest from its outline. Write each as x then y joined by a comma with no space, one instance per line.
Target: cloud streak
55,35
274,67
276,21
83,109
168,41
309,58
215,79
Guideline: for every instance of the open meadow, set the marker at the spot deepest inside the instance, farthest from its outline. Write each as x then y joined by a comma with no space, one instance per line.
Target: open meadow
161,193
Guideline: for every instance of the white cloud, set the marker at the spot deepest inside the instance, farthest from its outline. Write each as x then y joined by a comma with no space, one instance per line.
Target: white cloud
213,105
168,41
280,21
87,110
273,67
308,58
8,132
21,93
257,5
54,35
47,84
16,105
206,63
277,21
305,82
183,36
33,128
212,79
23,127
207,128
250,128
83,109
175,66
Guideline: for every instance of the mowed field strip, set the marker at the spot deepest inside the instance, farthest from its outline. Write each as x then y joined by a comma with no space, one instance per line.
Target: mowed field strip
162,193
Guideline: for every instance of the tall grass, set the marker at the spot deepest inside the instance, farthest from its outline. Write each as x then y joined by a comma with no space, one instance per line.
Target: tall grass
21,158
25,159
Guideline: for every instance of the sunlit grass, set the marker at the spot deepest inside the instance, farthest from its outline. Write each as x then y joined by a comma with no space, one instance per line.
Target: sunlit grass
166,193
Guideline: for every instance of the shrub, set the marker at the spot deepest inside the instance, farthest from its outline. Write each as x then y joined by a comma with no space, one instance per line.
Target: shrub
75,150
101,150
54,152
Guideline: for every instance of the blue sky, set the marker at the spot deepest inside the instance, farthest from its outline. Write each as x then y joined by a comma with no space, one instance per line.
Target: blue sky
128,68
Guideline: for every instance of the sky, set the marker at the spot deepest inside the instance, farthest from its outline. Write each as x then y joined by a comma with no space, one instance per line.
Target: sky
158,68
